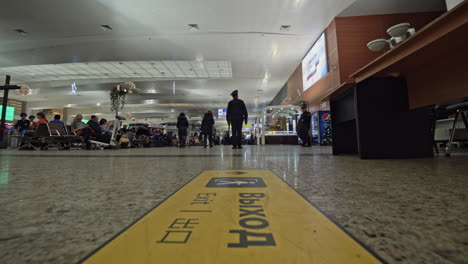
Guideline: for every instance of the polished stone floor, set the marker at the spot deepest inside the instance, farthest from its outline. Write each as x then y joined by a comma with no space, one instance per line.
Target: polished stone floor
57,206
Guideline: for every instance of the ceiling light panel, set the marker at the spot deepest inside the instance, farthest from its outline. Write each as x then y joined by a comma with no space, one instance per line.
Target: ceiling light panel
184,65
115,69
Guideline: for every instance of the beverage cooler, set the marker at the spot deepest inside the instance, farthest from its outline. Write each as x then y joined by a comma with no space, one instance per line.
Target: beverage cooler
321,128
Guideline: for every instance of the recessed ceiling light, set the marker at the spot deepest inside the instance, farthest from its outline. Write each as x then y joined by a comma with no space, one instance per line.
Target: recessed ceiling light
106,27
22,32
285,28
193,27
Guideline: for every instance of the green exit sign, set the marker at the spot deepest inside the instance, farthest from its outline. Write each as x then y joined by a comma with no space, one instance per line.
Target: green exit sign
10,113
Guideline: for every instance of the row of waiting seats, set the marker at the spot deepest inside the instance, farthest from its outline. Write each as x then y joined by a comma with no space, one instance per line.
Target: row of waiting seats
49,135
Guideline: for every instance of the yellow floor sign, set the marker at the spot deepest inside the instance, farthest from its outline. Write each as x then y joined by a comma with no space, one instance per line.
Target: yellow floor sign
234,217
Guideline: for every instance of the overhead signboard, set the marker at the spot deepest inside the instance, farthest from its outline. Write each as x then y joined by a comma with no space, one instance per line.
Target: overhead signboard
233,217
314,65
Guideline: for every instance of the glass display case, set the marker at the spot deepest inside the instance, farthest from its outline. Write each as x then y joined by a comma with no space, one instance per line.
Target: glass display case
280,124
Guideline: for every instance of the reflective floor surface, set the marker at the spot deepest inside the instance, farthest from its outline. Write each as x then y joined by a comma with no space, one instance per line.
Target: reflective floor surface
57,206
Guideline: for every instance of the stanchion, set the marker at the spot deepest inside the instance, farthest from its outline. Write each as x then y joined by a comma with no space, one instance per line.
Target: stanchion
6,88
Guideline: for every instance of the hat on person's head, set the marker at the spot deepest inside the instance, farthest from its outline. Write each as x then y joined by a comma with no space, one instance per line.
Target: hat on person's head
234,93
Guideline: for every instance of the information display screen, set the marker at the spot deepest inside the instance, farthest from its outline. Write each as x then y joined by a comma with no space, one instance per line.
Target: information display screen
314,65
222,112
10,113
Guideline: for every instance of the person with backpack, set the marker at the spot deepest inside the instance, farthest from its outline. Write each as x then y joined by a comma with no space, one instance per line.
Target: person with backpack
182,126
207,128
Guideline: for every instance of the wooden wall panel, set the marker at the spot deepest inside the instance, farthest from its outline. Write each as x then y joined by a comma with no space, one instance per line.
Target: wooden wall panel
314,95
294,87
353,34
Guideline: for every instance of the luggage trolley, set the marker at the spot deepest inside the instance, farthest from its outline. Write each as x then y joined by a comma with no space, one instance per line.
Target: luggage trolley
114,143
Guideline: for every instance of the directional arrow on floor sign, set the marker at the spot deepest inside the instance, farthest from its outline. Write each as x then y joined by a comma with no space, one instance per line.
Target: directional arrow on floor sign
215,218
236,182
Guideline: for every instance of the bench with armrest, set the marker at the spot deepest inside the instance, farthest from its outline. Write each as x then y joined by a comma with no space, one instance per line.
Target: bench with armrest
36,139
49,135
59,136
76,140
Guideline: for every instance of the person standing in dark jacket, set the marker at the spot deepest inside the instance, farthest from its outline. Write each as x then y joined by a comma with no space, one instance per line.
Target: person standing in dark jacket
236,114
305,122
207,128
182,126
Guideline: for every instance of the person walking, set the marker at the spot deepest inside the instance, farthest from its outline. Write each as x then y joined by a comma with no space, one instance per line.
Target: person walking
236,114
304,124
207,128
182,126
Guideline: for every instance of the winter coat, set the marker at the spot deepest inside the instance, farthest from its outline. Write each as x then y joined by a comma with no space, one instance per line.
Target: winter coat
182,122
207,124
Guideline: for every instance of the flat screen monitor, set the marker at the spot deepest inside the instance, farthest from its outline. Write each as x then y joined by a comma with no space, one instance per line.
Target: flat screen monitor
314,65
222,112
10,113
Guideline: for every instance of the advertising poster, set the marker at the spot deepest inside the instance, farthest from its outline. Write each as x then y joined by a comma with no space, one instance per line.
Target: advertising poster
314,65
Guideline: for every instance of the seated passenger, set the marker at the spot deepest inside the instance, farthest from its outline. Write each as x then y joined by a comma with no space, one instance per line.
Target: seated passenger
99,134
124,141
57,120
42,120
105,127
77,122
23,124
31,122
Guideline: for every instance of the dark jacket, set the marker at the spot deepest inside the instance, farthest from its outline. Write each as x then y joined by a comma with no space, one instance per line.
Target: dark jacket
207,124
95,126
22,124
236,111
305,120
182,122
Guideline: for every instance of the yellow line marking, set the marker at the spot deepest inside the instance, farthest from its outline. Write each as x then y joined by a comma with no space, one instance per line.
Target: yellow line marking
248,216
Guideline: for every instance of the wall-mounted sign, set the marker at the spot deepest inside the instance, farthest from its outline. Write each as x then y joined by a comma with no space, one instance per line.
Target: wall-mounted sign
222,112
10,113
73,88
314,65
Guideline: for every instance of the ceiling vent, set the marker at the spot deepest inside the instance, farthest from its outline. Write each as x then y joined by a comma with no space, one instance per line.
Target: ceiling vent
285,28
106,27
193,27
22,32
